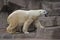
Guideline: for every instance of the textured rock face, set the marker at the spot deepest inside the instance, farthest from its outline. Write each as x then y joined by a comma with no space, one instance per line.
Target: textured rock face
1,2
53,23
52,8
27,4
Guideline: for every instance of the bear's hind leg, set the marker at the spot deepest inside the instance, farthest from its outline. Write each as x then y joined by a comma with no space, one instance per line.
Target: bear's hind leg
11,28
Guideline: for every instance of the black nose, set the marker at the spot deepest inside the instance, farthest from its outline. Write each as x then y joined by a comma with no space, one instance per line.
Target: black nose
46,14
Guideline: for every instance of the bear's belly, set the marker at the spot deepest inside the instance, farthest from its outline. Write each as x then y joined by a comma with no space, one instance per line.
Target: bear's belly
22,19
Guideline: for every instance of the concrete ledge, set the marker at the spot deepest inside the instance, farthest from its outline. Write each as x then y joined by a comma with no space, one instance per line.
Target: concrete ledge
46,33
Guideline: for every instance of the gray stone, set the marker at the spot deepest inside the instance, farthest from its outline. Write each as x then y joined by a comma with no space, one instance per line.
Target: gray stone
47,21
56,33
7,36
18,2
27,4
34,4
30,35
55,12
52,33
1,3
56,5
3,20
58,20
52,8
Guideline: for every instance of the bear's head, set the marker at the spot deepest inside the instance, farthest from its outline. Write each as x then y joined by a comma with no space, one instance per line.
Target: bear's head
42,12
38,12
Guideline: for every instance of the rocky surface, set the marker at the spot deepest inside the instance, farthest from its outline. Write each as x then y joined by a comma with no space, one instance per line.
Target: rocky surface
51,22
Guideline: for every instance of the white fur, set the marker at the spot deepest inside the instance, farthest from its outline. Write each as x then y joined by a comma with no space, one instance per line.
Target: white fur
22,17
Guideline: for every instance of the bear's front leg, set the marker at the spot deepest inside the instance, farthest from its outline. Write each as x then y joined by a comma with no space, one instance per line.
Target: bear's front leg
38,24
26,25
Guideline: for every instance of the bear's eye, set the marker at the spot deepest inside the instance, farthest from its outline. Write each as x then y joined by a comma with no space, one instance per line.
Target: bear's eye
40,11
44,11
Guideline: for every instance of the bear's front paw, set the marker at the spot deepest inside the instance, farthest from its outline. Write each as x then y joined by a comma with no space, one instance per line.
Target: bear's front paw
26,32
42,27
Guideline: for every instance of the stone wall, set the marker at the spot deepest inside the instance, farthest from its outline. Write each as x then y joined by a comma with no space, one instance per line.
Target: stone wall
51,22
28,4
1,3
52,7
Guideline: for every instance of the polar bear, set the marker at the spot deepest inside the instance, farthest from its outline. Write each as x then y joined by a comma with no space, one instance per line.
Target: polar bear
25,18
